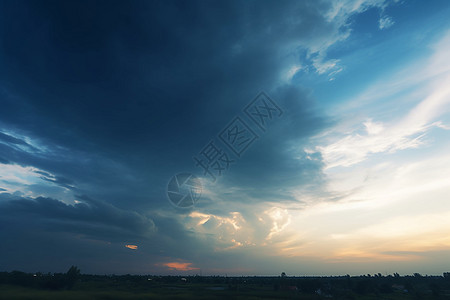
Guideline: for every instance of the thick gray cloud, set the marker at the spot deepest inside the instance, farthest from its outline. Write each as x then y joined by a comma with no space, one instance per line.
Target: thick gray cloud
146,85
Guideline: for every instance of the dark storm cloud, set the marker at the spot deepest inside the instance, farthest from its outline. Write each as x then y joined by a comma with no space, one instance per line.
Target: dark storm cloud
147,84
123,94
137,78
90,217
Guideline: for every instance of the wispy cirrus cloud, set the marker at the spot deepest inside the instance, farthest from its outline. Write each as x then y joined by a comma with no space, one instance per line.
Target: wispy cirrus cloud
336,28
356,142
338,14
385,22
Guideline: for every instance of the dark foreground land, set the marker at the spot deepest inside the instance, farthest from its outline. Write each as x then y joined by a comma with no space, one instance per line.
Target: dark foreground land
73,285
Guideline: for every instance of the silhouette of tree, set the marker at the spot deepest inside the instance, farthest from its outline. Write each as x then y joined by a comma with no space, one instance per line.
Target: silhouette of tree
20,278
72,276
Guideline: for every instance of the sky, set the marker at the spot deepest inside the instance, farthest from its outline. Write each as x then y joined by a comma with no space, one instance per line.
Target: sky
225,137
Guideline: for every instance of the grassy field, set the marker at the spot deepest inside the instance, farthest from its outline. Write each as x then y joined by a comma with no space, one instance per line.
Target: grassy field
73,285
198,291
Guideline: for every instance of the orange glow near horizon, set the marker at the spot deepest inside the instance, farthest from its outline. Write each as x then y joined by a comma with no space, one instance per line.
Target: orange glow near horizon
180,266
